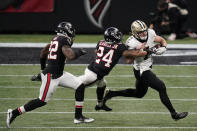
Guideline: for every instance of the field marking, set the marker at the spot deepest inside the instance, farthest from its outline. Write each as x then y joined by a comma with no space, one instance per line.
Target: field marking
85,45
88,64
112,127
112,76
93,87
62,99
100,112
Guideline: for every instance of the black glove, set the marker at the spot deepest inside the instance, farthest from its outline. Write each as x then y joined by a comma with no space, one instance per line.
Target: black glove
36,77
148,50
80,52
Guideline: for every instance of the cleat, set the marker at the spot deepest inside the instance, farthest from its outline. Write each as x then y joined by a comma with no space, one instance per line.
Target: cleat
10,118
103,107
107,96
177,116
83,119
36,77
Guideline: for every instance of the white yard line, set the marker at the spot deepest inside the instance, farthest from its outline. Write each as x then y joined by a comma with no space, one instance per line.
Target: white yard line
124,76
100,112
112,127
131,99
88,45
88,64
93,87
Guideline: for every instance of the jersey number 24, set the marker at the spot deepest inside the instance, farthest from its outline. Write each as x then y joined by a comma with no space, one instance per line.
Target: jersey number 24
107,58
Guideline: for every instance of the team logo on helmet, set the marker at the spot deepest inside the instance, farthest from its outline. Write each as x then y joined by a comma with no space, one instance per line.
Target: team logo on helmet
96,10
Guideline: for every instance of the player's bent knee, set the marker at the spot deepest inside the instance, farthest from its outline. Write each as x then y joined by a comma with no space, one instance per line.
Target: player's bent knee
40,102
162,86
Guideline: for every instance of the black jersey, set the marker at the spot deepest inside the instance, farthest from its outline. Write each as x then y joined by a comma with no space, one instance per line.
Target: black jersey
56,59
107,57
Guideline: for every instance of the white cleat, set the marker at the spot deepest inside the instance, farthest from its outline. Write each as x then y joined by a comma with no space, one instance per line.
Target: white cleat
9,118
83,120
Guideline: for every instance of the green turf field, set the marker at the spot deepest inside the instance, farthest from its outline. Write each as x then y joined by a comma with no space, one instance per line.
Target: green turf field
78,39
129,114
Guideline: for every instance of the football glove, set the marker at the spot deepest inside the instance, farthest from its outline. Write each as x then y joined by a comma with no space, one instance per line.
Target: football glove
36,77
80,52
160,50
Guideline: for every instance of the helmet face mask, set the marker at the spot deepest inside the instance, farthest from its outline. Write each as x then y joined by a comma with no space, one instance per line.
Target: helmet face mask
112,35
66,29
139,30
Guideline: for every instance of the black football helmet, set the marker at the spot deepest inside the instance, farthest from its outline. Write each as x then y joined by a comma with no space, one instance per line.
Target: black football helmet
112,34
66,28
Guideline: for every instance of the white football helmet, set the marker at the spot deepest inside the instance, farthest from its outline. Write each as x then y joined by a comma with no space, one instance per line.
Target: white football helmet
139,30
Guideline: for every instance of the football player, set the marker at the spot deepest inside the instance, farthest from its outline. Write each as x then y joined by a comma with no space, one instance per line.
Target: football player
53,75
108,53
144,38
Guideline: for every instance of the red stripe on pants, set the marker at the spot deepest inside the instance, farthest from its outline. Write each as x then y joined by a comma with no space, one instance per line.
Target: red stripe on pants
46,87
19,110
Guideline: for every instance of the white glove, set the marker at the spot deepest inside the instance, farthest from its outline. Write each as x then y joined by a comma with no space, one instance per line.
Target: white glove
160,50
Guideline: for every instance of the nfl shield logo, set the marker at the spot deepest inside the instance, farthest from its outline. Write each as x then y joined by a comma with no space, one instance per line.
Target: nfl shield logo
96,10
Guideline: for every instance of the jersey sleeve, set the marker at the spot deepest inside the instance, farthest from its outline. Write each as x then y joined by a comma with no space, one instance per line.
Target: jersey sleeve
131,43
122,48
152,33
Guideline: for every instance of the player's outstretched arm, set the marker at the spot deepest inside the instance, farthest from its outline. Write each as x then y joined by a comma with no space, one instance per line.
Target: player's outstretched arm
134,53
70,54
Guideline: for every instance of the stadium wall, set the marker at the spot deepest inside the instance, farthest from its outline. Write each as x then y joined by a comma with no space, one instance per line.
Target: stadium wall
118,13
29,54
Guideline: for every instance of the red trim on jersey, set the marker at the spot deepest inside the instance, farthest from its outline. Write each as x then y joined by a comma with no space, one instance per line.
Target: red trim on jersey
46,87
78,106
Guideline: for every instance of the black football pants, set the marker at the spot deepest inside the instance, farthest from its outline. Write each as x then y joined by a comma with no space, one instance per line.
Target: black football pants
147,79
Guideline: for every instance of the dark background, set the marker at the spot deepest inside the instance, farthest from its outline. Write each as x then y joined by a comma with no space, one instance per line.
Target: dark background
120,14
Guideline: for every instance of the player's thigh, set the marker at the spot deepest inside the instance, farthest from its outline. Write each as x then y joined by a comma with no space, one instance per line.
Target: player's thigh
69,80
89,77
48,87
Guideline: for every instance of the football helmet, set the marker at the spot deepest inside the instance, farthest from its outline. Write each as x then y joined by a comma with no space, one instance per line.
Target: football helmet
112,35
139,30
66,28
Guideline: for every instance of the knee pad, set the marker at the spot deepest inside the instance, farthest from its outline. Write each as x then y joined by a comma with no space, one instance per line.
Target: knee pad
101,83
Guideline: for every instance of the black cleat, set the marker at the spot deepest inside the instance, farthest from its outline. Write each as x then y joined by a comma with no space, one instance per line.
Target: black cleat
103,107
177,116
36,77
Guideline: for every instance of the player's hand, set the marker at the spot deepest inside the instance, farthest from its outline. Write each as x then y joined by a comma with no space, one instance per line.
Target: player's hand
153,50
82,51
36,77
149,51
